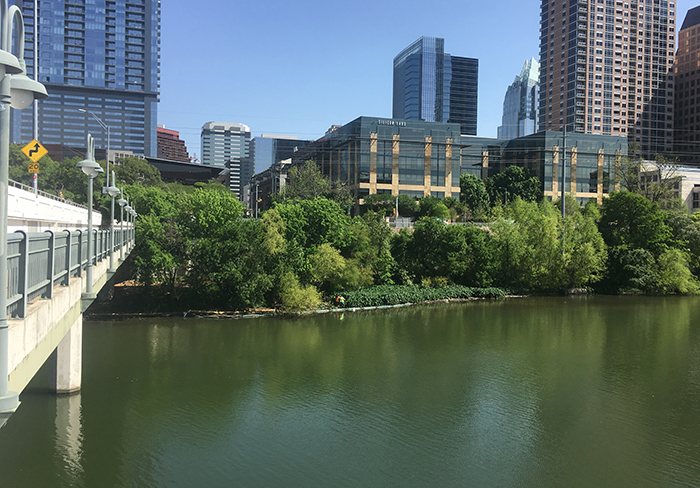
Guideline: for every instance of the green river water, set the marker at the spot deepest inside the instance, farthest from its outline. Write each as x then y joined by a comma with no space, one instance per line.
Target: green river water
526,392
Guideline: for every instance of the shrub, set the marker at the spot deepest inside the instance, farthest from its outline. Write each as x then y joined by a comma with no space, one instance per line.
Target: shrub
295,297
398,294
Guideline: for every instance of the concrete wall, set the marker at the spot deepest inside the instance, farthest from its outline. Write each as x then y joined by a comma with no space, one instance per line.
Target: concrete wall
50,324
37,213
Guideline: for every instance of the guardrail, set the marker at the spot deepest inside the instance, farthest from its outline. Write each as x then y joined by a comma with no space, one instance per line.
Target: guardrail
24,187
36,261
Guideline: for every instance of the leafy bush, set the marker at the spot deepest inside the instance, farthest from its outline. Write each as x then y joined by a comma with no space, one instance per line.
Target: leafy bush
398,294
294,297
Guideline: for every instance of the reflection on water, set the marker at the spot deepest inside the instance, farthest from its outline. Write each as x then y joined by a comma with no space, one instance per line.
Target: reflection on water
601,391
69,436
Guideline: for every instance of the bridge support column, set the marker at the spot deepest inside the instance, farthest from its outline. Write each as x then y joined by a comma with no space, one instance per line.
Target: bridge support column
66,376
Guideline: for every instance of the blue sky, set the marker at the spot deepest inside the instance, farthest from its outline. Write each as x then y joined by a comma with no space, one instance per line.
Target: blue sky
296,68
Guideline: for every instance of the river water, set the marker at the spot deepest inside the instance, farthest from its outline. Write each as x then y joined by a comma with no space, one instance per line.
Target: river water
531,392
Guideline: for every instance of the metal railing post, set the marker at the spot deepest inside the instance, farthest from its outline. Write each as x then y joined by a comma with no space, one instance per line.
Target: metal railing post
69,246
23,271
51,263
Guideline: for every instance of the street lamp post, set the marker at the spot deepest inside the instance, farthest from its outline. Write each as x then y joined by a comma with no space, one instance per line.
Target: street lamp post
18,91
91,168
121,203
105,127
112,191
127,209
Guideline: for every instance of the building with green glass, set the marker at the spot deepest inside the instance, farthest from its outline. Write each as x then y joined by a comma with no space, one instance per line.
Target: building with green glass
407,157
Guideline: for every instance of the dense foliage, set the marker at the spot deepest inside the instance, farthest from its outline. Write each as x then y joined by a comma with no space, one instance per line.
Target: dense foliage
400,294
308,249
303,252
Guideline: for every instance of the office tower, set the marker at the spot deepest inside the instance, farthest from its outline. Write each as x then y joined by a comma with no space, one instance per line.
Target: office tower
170,146
269,149
432,86
240,171
223,141
520,103
606,68
102,57
687,77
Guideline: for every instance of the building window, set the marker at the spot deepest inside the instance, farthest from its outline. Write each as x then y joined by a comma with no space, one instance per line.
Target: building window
696,199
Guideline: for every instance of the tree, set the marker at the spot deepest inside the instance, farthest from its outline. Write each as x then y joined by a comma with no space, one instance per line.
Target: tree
629,219
585,254
636,233
472,191
306,182
137,171
517,181
656,180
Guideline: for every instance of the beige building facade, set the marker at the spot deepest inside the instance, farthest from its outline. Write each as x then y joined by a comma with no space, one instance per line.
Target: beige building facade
606,68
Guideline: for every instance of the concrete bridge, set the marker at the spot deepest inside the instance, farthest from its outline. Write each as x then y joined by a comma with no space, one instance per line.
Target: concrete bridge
47,281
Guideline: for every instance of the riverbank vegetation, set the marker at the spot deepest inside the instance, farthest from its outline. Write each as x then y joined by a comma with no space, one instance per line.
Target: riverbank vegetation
305,252
200,248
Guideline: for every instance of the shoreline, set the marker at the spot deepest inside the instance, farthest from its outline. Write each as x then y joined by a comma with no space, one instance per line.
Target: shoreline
264,312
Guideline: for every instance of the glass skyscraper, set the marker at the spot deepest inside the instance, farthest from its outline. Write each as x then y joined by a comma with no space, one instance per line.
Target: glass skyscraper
269,149
98,55
520,103
432,86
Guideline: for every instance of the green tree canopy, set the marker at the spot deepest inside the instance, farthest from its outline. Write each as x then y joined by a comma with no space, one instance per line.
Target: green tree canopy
517,181
472,191
628,219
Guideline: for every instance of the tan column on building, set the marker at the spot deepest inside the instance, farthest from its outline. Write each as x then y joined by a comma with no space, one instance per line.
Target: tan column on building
448,167
354,164
427,156
484,165
330,164
373,163
601,175
618,166
395,165
555,169
572,177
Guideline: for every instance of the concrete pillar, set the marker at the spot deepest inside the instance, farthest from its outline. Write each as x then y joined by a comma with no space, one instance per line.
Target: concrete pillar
448,167
572,166
601,175
67,371
555,170
395,164
427,163
373,163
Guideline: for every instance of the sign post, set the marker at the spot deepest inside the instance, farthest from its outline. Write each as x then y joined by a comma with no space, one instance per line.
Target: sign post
34,151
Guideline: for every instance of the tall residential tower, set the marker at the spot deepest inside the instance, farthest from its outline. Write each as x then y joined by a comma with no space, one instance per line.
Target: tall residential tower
100,56
687,76
432,86
606,68
520,103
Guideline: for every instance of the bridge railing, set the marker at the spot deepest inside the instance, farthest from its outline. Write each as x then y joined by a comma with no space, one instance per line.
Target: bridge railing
37,261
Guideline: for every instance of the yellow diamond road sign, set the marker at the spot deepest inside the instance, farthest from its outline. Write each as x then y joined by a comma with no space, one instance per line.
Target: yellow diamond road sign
34,150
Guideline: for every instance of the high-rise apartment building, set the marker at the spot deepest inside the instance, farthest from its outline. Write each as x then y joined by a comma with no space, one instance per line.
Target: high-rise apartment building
223,141
606,68
102,57
170,146
520,103
269,149
687,78
432,86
